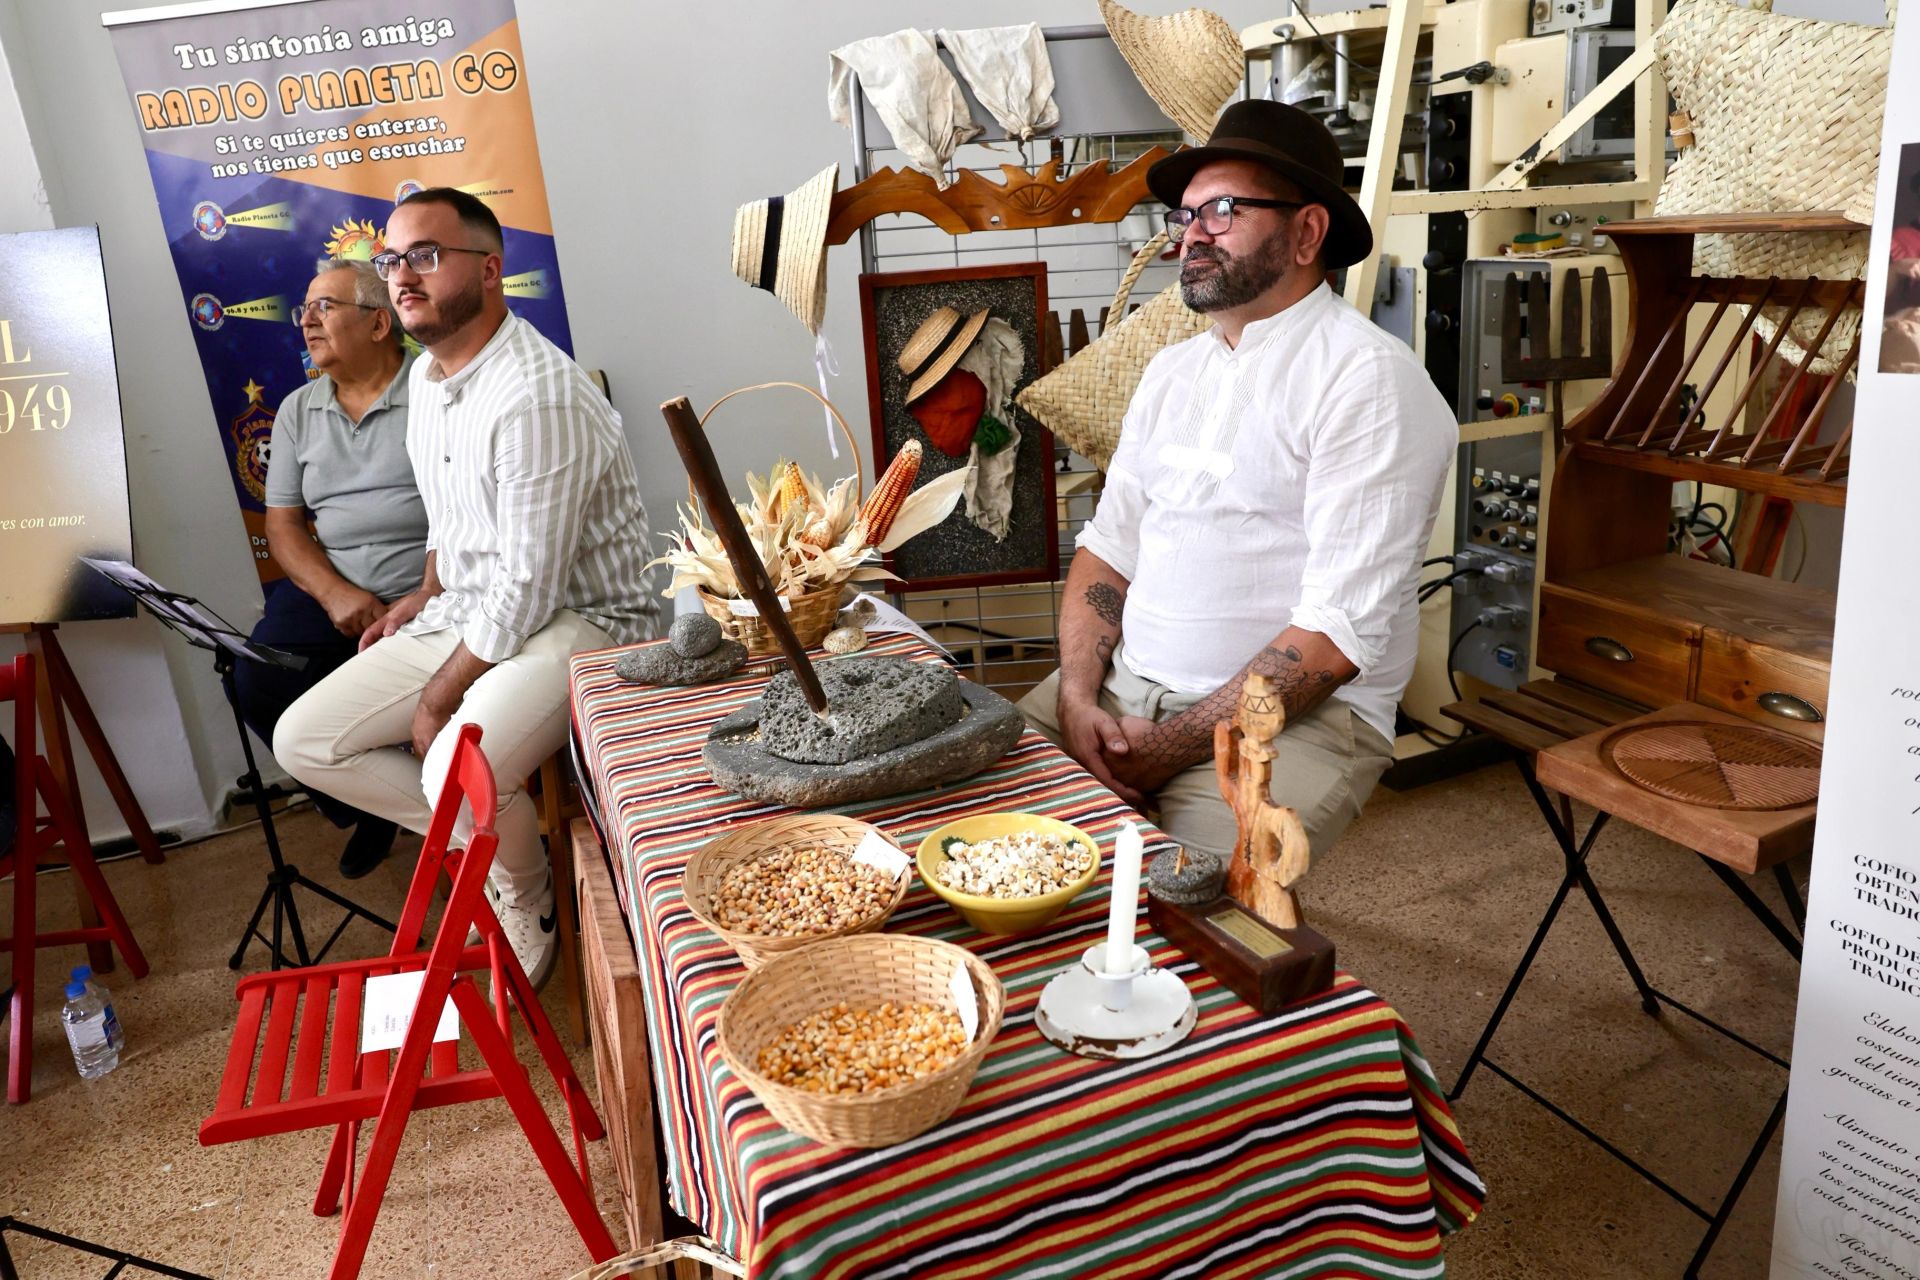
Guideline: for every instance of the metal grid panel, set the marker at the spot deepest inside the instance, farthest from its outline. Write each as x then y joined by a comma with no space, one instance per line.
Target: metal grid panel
1007,638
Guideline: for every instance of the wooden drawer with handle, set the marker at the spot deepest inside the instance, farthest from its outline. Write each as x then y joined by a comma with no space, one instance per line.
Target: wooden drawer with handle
1644,659
1769,685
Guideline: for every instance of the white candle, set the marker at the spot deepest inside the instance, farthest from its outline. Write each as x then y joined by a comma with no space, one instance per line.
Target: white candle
1125,903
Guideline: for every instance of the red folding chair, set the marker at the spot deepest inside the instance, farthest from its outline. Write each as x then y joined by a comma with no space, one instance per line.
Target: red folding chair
311,1017
37,838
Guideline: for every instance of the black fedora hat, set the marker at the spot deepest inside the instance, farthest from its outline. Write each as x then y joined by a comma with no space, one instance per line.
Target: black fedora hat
1294,145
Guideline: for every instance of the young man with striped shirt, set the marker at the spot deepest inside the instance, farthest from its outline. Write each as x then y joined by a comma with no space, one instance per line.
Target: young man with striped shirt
536,551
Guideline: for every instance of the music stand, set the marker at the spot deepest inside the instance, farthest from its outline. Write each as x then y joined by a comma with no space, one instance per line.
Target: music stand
202,628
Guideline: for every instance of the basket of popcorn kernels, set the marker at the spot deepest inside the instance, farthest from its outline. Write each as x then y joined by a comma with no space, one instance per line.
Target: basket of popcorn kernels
1008,872
770,887
860,1041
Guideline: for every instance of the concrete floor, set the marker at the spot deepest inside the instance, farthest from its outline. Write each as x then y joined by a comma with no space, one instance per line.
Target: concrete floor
1430,898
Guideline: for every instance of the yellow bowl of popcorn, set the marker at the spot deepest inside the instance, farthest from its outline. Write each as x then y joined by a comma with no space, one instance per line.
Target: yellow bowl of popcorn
1008,872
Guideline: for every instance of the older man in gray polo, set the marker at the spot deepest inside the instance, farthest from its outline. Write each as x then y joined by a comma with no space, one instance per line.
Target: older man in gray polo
339,451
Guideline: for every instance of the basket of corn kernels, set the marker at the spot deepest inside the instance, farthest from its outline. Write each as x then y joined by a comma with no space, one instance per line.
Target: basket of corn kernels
770,887
861,1041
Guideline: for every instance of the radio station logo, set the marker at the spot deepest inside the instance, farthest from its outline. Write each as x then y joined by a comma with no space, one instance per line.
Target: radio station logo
252,433
209,220
353,240
207,311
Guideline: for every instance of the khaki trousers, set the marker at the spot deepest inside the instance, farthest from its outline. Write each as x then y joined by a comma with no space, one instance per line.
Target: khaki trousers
347,736
1325,764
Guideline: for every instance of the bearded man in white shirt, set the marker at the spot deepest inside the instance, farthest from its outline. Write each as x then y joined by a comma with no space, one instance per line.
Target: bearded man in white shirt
536,551
1266,511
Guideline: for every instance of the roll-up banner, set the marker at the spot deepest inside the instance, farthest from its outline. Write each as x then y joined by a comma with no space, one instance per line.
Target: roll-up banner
284,132
1849,1199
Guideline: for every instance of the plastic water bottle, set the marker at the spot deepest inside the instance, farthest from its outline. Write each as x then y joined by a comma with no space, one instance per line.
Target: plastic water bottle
92,1031
84,974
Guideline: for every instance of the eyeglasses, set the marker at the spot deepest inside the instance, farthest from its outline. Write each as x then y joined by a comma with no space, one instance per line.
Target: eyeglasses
422,259
1214,217
322,306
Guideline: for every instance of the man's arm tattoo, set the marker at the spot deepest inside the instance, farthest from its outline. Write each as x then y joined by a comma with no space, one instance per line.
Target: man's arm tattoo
1104,648
1105,601
1188,738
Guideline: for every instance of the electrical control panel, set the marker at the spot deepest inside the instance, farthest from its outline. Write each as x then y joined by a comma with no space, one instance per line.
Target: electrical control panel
1565,15
1498,521
1496,551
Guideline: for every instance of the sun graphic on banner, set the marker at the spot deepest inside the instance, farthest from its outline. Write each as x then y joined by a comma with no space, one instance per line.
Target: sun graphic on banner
353,240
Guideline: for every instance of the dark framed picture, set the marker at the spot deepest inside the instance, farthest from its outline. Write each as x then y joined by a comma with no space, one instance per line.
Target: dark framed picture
926,342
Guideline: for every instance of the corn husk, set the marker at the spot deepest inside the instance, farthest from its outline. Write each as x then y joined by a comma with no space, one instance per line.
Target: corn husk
806,535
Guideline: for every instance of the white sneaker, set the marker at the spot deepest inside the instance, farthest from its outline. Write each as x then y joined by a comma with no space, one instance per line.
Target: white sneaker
530,932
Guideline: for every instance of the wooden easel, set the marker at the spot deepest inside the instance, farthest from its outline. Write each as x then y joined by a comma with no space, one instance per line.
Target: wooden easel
60,692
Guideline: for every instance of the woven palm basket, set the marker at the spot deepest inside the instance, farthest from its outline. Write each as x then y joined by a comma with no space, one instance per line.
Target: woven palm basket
709,866
865,972
1084,400
810,615
1786,118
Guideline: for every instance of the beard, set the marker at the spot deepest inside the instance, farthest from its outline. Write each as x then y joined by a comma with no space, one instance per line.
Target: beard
1234,281
450,315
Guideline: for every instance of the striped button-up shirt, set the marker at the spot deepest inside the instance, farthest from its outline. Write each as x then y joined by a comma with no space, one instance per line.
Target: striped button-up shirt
532,502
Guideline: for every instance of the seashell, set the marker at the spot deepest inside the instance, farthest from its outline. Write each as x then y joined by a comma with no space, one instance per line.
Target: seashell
844,640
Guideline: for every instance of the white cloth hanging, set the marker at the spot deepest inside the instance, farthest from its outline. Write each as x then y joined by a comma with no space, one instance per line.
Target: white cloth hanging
996,358
915,95
1009,71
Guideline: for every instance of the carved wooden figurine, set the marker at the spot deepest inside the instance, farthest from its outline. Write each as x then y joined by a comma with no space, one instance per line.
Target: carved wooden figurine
1271,852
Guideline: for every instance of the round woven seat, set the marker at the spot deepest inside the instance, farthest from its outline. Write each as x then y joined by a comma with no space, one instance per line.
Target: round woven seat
1718,766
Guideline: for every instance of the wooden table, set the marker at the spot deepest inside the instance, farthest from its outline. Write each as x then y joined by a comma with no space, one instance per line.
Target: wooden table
1259,1145
1557,732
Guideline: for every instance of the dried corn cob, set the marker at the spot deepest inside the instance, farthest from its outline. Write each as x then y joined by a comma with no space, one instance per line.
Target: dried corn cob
818,534
883,504
790,491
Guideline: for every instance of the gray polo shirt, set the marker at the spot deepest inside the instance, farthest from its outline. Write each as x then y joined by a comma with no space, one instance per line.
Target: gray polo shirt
357,480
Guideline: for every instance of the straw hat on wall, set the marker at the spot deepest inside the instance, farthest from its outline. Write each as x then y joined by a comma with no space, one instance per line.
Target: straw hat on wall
780,245
1189,62
936,346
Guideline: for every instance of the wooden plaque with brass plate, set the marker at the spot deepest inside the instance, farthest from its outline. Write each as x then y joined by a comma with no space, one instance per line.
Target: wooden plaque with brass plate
1252,937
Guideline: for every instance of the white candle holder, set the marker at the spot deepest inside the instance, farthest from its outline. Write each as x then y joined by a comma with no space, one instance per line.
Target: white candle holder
1135,1013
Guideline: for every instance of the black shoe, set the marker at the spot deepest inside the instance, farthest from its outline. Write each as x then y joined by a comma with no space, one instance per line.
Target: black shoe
367,847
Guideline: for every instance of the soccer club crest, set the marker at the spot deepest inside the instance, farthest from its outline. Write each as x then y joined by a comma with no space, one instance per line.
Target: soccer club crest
252,434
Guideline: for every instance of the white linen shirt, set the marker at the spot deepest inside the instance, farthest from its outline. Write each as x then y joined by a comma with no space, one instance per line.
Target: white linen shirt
532,502
1291,480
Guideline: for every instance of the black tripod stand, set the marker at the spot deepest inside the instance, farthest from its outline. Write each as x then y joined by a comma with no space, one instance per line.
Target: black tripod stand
202,628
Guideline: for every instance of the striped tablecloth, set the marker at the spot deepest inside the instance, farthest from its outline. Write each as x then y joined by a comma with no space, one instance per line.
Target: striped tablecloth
1312,1143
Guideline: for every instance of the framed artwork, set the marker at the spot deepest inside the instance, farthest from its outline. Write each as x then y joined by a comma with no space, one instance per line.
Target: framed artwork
1005,532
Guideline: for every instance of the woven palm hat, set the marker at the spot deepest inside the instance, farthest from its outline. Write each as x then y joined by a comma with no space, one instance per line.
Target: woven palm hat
1295,145
780,245
1189,62
936,346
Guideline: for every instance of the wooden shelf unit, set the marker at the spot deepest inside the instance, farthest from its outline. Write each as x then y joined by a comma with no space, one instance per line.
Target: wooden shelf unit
1618,611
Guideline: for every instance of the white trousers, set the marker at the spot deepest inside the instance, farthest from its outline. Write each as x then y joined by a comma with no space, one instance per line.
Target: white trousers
348,735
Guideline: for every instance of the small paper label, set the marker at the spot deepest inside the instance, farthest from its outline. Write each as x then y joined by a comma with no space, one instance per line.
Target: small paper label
880,853
745,608
389,1002
965,1002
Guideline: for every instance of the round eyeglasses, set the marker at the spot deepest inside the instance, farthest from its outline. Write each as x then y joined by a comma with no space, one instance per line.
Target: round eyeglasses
422,259
1214,216
322,306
